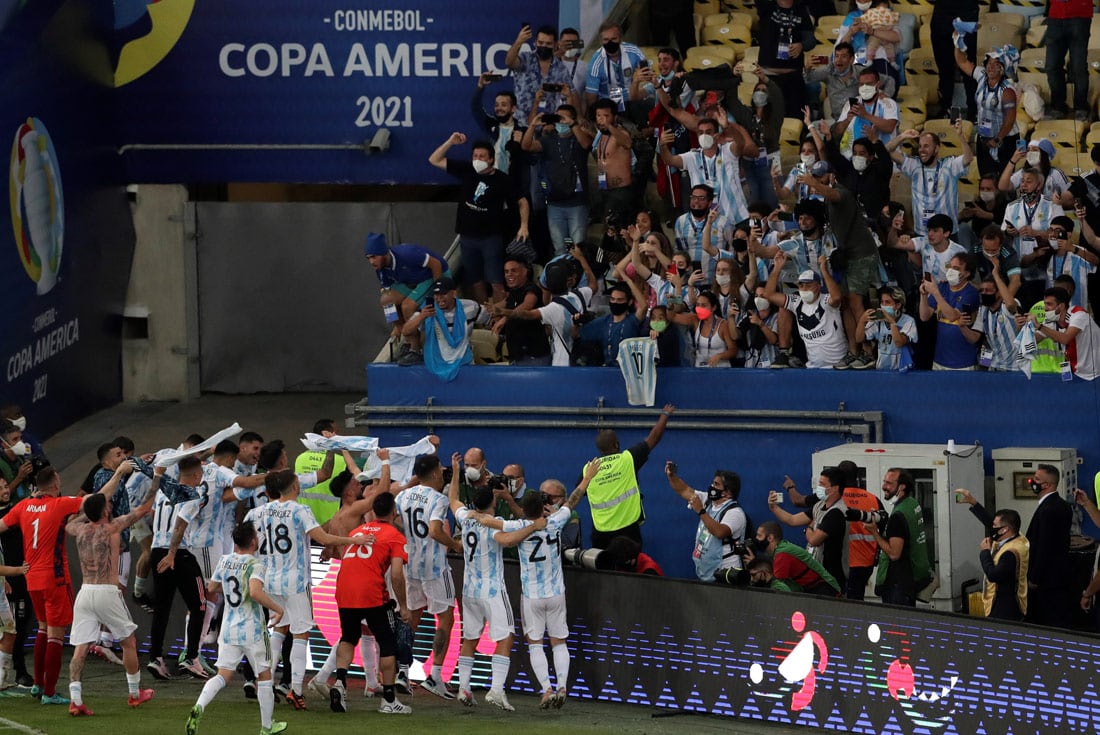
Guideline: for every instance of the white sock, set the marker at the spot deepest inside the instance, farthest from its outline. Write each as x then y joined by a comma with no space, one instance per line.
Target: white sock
437,672
465,670
329,666
133,683
298,664
276,651
265,695
139,585
210,690
561,665
500,671
5,662
539,664
368,649
76,693
105,639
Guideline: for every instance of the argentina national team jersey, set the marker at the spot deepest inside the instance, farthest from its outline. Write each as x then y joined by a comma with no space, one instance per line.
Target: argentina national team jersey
243,623
419,506
283,528
483,559
935,188
164,520
638,364
540,557
205,515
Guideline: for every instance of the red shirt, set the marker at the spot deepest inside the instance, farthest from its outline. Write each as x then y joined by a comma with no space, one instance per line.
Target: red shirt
42,521
361,582
1062,9
785,566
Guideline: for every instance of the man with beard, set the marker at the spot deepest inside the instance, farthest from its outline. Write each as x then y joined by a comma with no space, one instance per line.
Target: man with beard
526,339
934,180
905,566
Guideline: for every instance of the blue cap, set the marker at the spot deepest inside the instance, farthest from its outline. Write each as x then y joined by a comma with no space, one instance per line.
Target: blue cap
376,244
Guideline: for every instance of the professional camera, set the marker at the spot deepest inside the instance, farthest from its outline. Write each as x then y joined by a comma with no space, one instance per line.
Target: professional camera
740,548
866,516
500,482
591,559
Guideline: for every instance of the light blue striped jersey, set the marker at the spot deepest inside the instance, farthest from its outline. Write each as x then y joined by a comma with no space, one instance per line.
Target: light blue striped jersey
722,173
540,557
889,354
689,237
205,515
483,558
999,328
1070,264
1037,216
283,527
933,262
935,188
638,364
170,494
419,506
243,623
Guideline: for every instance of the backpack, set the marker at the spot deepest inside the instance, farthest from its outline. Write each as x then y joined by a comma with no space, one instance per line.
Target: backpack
583,353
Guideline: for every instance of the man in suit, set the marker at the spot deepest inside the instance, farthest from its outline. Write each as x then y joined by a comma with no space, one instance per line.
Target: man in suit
1048,601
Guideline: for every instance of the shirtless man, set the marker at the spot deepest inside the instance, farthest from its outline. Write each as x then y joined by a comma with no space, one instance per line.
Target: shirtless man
100,600
612,149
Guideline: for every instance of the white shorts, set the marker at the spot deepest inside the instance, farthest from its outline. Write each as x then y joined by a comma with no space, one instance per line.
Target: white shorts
96,605
7,620
544,616
258,654
436,595
496,611
297,611
139,532
124,558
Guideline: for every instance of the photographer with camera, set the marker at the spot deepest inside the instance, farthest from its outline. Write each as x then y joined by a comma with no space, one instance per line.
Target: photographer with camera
794,567
905,567
538,70
723,526
16,466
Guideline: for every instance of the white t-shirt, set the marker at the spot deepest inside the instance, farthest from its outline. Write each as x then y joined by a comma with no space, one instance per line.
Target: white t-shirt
1087,343
560,320
821,328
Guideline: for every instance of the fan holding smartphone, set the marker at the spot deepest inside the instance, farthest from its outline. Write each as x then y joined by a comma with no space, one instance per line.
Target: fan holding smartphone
535,68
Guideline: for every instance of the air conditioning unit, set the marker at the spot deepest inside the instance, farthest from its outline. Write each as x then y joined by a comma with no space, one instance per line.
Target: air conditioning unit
1012,466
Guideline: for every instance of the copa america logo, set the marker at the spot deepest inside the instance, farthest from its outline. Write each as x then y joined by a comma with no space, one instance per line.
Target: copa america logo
37,204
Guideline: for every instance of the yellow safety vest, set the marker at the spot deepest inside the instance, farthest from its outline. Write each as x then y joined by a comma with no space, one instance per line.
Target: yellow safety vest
1020,547
319,498
613,493
1049,355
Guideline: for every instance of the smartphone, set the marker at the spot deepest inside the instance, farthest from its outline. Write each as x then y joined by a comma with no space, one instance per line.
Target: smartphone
551,118
673,269
1021,145
854,102
574,44
550,87
877,314
928,277
785,216
696,265
643,63
493,77
756,223
429,302
672,468
710,99
956,113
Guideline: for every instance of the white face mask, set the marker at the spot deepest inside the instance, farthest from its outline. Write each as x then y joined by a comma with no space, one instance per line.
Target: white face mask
864,6
759,98
722,280
808,159
859,163
953,276
706,140
481,166
19,449
807,297
988,196
1033,158
20,423
473,474
1050,316
867,91
762,304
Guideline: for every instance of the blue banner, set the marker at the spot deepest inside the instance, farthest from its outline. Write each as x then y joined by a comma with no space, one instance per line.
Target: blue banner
290,91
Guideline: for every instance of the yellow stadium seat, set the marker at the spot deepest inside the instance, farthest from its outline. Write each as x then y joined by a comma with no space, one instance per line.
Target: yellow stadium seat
705,57
1015,20
791,132
716,19
1092,139
924,35
1064,134
1024,121
901,190
1094,60
744,18
707,7
995,35
729,34
483,343
972,176
650,52
923,11
909,120
1033,60
949,142
828,26
921,71
1034,35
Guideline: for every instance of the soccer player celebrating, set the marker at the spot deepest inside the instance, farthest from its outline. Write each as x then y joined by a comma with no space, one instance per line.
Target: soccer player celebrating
42,520
244,633
361,594
484,598
285,528
100,601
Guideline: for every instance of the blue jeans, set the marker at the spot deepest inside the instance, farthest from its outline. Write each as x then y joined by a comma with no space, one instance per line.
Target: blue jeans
482,259
1072,35
566,222
758,181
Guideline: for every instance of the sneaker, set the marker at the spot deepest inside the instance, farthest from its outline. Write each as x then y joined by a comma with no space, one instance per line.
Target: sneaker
847,362
402,682
54,699
296,700
158,668
145,602
318,687
210,670
106,654
864,362
782,360
36,691
249,688
499,699
79,710
276,727
547,699
437,688
559,698
395,708
467,698
194,668
410,357
280,691
796,362
24,680
143,696
193,719
370,692
338,697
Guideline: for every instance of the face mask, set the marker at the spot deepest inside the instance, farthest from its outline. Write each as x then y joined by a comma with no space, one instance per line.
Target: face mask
562,128
1050,316
859,163
611,47
713,493
473,474
762,304
953,276
658,327
1033,158
503,118
988,299
1035,486
703,313
820,492
19,449
867,91
481,166
543,53
699,212
618,309
807,296
808,159
760,544
722,280
759,98
1029,196
889,311
20,423
864,6
988,196
706,140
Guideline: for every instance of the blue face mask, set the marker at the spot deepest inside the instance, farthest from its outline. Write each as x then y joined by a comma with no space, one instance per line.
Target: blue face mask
889,310
561,128
820,492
